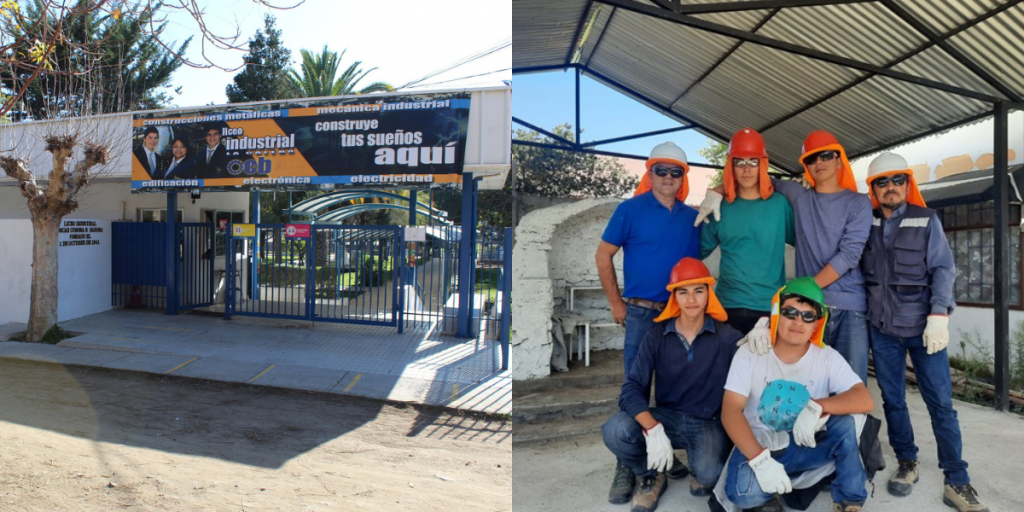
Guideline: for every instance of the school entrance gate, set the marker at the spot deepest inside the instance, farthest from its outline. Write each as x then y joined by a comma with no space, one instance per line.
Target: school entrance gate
325,274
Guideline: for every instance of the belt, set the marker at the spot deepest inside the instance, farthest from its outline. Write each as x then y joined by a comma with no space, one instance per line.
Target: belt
649,304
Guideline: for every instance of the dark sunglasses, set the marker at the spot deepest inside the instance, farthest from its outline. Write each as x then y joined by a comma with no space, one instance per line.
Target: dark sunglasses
824,156
745,162
661,172
792,313
898,180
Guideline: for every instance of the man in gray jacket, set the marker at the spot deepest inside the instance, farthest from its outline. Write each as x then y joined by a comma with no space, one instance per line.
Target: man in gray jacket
909,272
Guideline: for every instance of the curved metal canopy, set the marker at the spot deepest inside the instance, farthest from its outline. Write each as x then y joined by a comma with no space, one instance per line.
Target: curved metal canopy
314,204
355,209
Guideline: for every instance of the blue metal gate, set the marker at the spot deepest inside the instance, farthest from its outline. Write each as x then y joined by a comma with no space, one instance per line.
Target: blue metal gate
194,267
138,265
337,274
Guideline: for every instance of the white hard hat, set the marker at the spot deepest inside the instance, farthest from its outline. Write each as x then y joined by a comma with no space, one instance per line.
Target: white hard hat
887,162
669,151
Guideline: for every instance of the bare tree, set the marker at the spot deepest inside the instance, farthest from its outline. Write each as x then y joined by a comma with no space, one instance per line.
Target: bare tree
32,39
80,142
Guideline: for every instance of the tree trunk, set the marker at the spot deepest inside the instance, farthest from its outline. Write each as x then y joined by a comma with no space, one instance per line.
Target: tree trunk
43,310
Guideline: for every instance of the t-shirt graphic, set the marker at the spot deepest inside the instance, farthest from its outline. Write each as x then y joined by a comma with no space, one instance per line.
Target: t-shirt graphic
781,402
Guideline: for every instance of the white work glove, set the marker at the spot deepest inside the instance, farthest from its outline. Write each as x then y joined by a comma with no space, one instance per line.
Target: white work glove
802,180
659,449
807,423
771,475
712,204
759,339
936,333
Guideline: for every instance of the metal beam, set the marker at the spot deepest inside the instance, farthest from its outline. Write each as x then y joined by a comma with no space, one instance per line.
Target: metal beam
1001,256
600,38
540,69
965,26
599,152
579,29
723,30
957,55
636,136
544,132
579,131
722,59
912,138
750,5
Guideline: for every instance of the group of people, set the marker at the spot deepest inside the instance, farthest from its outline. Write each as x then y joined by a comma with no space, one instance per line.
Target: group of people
210,161
780,419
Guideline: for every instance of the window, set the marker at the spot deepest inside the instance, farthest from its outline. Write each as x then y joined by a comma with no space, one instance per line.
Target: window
158,215
969,229
229,217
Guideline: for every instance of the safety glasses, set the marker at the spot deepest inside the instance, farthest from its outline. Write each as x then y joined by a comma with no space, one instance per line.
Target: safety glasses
882,182
665,170
824,156
746,162
792,313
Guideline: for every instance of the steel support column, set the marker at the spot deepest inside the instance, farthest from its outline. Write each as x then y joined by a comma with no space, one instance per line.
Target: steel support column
1001,254
506,297
466,263
171,239
254,218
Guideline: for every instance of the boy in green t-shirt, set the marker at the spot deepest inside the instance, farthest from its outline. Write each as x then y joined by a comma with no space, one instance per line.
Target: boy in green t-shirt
755,225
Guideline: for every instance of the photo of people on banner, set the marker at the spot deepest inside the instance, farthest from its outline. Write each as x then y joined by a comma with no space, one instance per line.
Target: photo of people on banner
377,139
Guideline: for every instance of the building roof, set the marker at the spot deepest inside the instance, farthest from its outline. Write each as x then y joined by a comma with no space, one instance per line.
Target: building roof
877,74
970,187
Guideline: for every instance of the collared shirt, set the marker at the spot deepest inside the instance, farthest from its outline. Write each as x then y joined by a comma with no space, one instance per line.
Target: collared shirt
690,377
150,158
938,257
653,239
209,153
172,165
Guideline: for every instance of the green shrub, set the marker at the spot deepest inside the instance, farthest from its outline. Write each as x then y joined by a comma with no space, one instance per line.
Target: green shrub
374,273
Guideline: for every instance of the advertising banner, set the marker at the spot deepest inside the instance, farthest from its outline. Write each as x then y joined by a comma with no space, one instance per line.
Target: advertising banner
382,141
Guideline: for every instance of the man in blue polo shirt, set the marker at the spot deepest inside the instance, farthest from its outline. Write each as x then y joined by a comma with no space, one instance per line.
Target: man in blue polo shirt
655,230
688,354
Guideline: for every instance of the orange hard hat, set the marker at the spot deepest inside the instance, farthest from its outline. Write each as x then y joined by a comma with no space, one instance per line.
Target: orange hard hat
688,269
686,272
817,140
747,143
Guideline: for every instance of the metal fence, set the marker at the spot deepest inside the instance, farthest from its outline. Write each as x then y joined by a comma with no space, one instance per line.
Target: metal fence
195,265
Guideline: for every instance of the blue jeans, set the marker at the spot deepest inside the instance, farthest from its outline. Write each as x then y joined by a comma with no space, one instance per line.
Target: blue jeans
839,445
705,441
936,386
847,332
638,321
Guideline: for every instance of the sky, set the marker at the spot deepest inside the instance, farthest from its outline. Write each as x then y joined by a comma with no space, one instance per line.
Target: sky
548,100
405,39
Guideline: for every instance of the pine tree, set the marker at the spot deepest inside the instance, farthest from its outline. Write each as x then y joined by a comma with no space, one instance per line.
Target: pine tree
266,68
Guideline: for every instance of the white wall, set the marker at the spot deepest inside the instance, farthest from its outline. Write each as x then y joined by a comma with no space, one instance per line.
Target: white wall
83,275
981,321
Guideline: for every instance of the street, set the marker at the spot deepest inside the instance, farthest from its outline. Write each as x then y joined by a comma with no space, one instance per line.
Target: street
91,439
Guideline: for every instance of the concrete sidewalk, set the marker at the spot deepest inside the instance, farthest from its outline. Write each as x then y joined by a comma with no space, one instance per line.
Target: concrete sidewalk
375,362
576,474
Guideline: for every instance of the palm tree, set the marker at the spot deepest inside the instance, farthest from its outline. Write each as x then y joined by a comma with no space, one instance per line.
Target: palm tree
318,76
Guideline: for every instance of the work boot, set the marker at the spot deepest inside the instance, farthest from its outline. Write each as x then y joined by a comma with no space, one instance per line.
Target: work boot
622,484
906,476
772,505
963,498
651,488
696,489
678,469
839,507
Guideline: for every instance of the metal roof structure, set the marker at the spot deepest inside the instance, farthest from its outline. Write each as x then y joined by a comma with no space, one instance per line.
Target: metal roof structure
875,73
970,187
314,204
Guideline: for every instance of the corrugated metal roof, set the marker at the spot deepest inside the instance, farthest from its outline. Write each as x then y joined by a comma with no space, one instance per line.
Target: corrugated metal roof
708,75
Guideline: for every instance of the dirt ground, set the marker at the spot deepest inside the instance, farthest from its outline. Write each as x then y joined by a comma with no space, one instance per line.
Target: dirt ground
86,439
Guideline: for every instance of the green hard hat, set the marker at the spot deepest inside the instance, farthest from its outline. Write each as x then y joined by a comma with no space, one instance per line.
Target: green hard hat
806,288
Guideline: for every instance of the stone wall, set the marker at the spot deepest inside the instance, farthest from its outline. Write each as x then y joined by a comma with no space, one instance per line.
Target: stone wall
555,249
